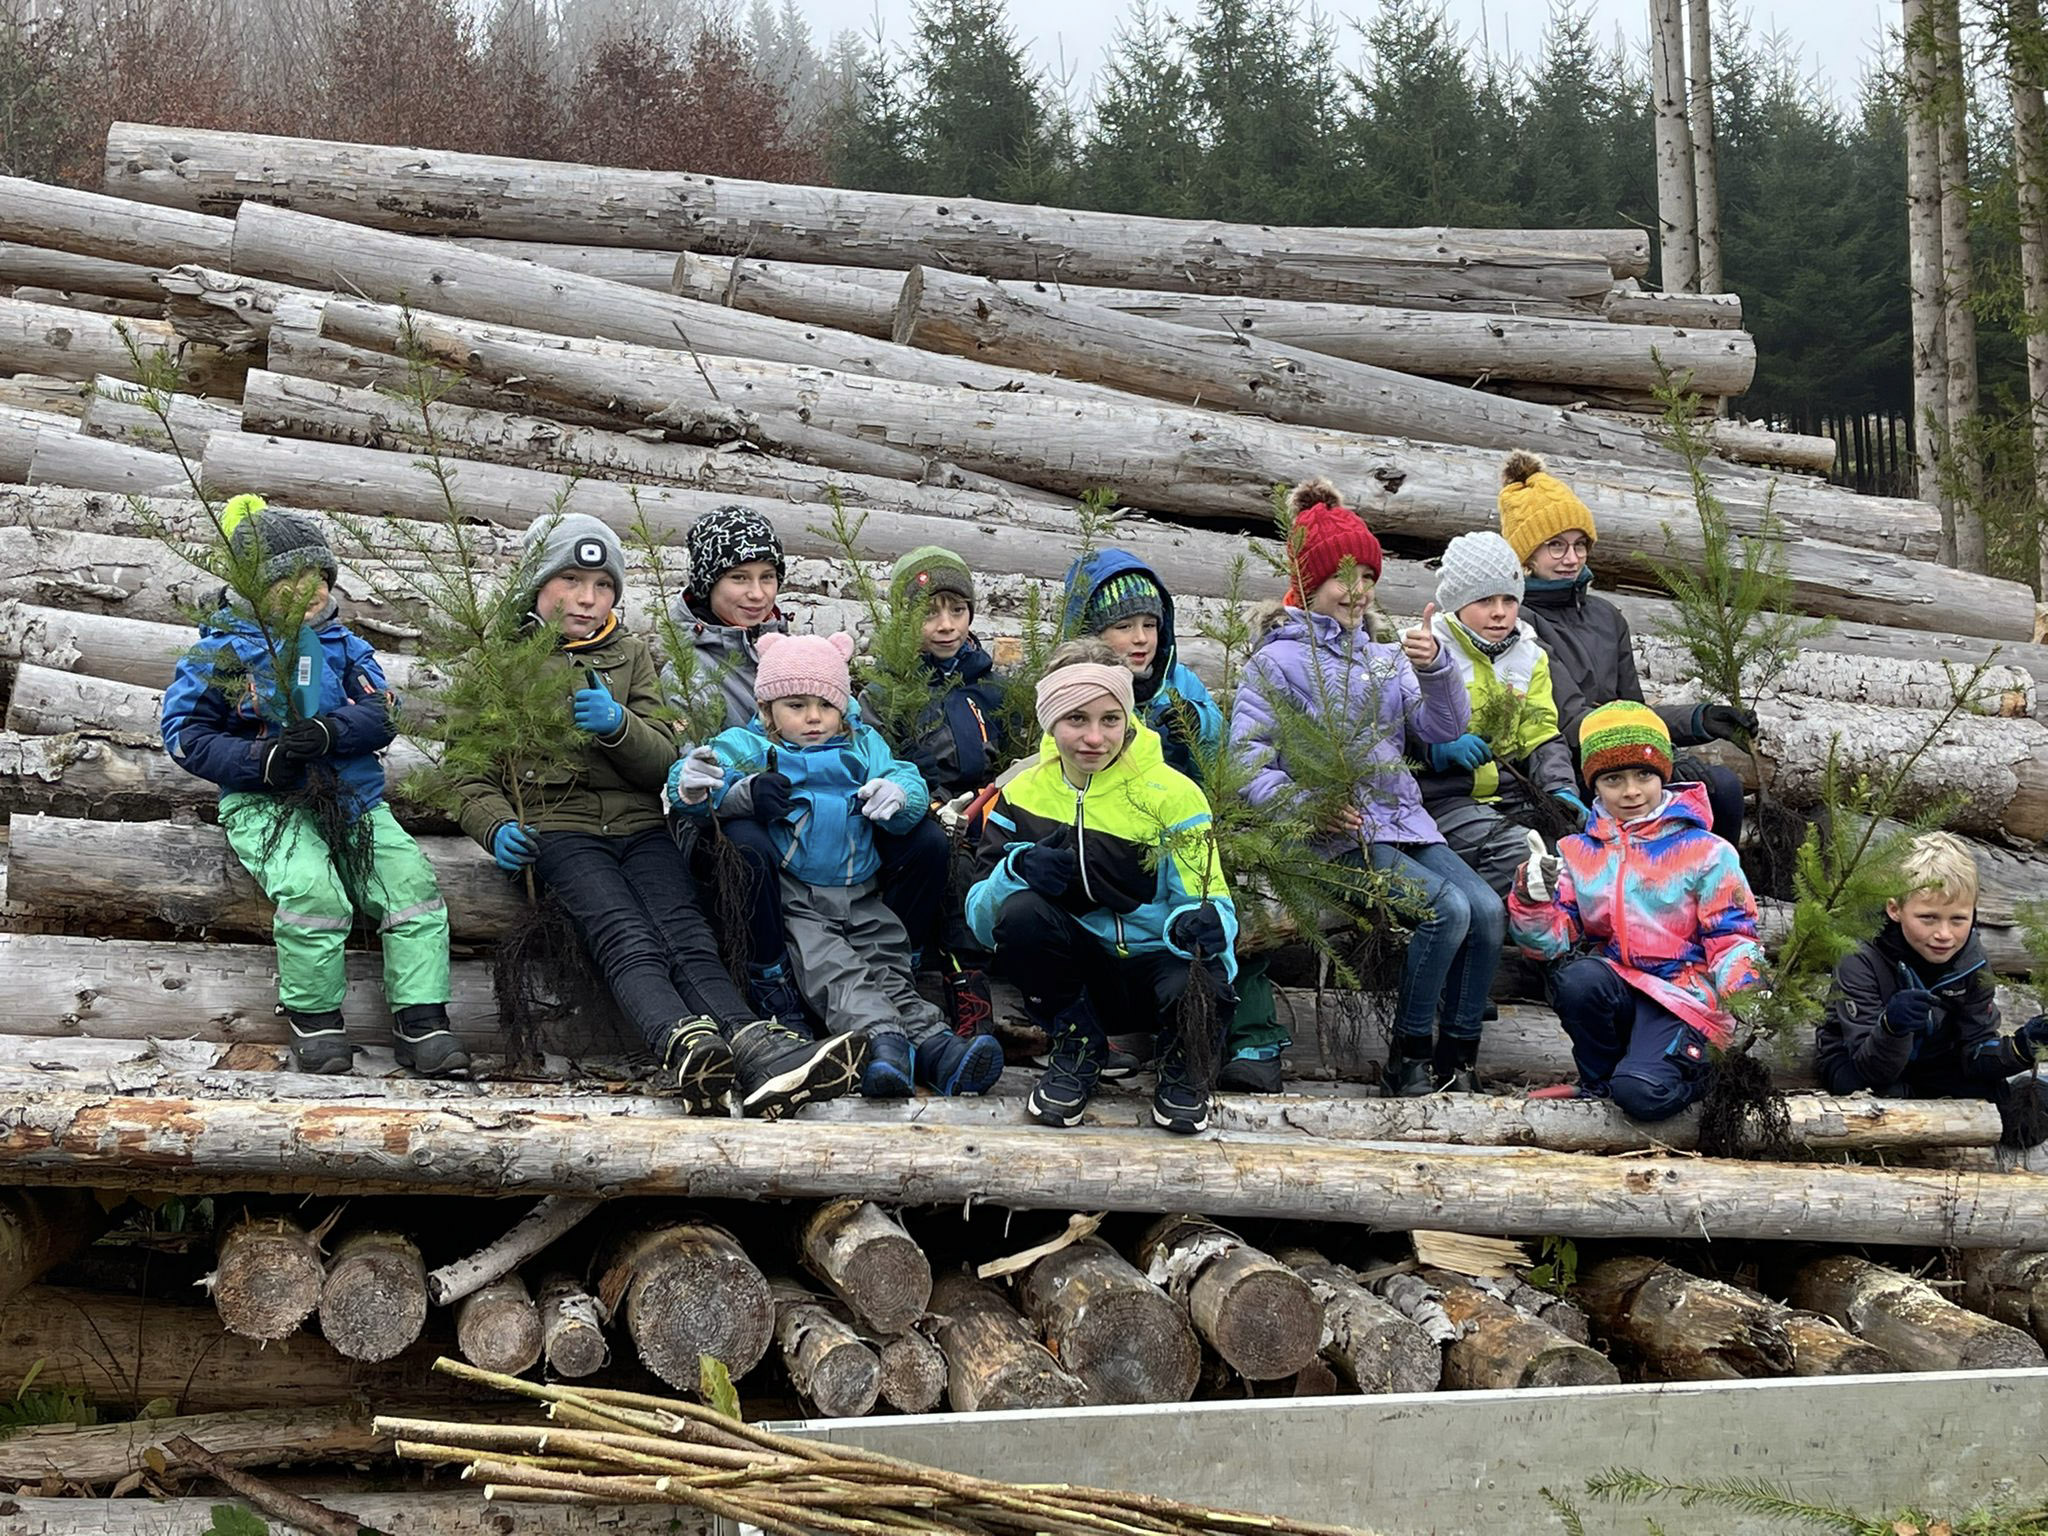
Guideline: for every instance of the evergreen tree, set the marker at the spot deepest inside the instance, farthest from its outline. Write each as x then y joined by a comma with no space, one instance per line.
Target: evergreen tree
1417,138
1139,154
978,111
1267,97
871,131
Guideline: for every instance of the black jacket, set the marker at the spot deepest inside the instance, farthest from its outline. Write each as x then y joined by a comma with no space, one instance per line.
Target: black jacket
1854,1049
1591,660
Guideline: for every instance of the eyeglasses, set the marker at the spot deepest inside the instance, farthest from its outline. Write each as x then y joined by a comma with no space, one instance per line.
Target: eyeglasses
1568,547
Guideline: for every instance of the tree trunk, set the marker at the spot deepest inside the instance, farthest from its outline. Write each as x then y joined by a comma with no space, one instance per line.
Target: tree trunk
549,1218
613,263
1678,222
115,410
92,303
20,431
571,1329
870,1262
1256,1313
1911,1321
993,1360
1109,1325
37,266
113,229
402,1514
1743,443
1924,261
1958,318
2026,62
686,1290
913,1373
1822,1347
1499,1347
830,1366
373,1302
1680,1327
1513,347
1885,682
1067,335
1371,1342
1633,304
500,198
1706,155
2011,1288
40,1229
497,1327
106,1453
266,1280
47,702
61,343
91,463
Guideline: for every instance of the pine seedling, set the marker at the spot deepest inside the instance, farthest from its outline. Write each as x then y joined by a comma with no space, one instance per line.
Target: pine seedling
893,685
1044,632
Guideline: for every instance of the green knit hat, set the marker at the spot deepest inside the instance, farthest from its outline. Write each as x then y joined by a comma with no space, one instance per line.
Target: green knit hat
929,569
1624,734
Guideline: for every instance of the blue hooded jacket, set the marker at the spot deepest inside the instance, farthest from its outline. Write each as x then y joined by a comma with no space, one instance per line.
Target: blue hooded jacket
1171,699
224,709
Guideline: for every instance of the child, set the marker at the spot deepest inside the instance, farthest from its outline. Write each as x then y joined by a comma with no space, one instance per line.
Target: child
1099,880
1592,661
1664,901
958,740
1479,595
821,783
598,842
1113,595
1913,1013
270,746
736,571
1323,662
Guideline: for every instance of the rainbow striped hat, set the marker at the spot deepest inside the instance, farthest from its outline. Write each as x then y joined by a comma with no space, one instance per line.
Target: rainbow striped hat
1624,734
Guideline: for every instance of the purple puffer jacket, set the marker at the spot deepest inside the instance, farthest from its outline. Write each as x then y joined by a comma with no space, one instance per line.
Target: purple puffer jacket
1386,699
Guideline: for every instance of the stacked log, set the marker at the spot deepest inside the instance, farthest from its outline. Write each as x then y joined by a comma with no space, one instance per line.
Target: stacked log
1921,1329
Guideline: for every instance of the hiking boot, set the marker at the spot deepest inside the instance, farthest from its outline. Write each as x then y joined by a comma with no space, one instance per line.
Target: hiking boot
970,1006
1072,1069
952,1065
1410,1073
889,1073
779,1069
1454,1065
422,1040
774,995
1248,1072
1180,1100
1126,1056
700,1062
320,1044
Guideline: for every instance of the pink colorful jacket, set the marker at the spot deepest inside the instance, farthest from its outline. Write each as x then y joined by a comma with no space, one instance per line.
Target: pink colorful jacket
1665,903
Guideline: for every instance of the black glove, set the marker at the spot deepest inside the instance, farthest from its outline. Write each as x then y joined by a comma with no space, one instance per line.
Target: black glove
1199,930
771,796
1910,1012
304,740
2032,1038
1724,722
1048,871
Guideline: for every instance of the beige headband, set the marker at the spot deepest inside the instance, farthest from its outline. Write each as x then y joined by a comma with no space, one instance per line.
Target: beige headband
1072,686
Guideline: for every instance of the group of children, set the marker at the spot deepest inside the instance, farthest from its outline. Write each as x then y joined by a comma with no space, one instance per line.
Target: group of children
1511,708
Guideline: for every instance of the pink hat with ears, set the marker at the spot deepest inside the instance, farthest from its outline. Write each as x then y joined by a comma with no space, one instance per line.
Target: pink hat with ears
792,665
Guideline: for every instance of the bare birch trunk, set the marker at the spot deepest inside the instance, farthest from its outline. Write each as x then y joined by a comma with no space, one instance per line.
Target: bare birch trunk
1706,155
1677,212
1924,261
1958,284
2026,65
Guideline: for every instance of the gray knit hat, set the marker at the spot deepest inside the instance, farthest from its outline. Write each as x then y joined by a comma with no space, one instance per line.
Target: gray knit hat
573,541
289,543
1477,565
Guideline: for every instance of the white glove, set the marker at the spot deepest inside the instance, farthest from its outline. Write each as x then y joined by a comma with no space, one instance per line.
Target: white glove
953,813
1539,875
699,774
881,799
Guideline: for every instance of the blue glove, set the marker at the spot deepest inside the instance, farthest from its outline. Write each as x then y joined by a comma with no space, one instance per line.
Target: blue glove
1572,803
770,796
1198,930
513,847
596,711
1467,752
1048,871
1910,1012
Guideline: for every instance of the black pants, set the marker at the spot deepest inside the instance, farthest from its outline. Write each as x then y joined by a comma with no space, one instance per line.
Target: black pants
913,877
1943,1077
637,909
1043,948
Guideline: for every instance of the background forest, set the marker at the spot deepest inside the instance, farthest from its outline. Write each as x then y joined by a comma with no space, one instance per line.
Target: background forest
1254,109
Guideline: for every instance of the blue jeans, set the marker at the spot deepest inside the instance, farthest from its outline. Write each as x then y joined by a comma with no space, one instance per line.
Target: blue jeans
1451,960
1628,1048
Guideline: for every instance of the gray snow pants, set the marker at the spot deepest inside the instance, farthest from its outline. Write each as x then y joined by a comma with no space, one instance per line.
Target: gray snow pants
852,961
1492,847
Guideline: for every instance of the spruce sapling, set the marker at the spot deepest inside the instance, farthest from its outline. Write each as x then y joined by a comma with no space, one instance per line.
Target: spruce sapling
890,677
1042,633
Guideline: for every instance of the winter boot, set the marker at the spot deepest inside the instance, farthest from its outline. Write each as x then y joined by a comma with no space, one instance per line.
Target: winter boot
422,1040
1255,1069
699,1062
1180,1100
970,1007
778,1070
1079,1048
951,1064
1454,1065
774,994
889,1071
319,1043
1409,1073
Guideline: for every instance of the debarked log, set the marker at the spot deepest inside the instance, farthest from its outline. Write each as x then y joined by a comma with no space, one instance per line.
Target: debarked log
113,229
1374,1346
403,1514
41,266
993,1360
829,1364
266,1437
62,343
1256,1313
21,429
1909,1319
1109,1325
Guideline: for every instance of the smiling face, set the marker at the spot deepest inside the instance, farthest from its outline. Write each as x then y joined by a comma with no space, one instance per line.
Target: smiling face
1627,793
1345,598
304,596
946,623
745,595
1135,640
1561,558
803,719
1089,737
1492,619
578,601
1936,923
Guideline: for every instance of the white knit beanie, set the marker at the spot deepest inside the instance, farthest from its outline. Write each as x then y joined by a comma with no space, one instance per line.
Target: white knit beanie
1477,565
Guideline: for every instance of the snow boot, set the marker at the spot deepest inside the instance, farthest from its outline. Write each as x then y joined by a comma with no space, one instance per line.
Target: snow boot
320,1043
951,1065
889,1072
698,1062
1409,1071
1073,1066
1454,1065
422,1041
779,1069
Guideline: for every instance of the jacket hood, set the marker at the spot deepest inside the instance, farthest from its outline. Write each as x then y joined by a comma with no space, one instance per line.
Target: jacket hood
1303,627
1891,943
1684,807
231,618
1086,577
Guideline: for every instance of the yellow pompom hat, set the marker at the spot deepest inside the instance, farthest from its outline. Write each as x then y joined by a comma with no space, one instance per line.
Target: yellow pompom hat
1535,506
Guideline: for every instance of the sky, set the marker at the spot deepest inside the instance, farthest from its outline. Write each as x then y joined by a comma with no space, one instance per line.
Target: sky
1837,39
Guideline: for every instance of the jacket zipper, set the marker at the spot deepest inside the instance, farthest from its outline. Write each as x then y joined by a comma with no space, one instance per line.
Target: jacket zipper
1081,842
1619,898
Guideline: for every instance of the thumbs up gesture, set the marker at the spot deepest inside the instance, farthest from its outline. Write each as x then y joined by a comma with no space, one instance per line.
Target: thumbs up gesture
1419,644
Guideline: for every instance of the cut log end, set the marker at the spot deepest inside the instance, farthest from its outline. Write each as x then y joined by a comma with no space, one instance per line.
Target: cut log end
1109,1325
497,1327
870,1262
688,1291
373,1303
268,1278
572,1328
913,1374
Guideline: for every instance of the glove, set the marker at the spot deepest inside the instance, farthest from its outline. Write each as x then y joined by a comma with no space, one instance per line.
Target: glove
1198,930
2032,1038
596,711
1723,722
1910,1012
693,779
1572,803
1537,878
881,799
513,847
1048,871
304,740
771,796
1467,752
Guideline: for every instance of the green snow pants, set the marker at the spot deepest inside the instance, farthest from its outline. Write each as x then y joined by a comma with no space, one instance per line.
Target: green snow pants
315,913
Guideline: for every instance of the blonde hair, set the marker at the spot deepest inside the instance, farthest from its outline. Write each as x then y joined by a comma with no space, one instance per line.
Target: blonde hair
1083,648
1941,864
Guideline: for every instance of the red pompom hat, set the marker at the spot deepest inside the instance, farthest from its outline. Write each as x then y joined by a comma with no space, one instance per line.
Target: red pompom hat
1327,534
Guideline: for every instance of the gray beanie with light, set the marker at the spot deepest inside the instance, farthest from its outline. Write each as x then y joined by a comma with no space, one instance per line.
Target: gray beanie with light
573,541
1475,566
